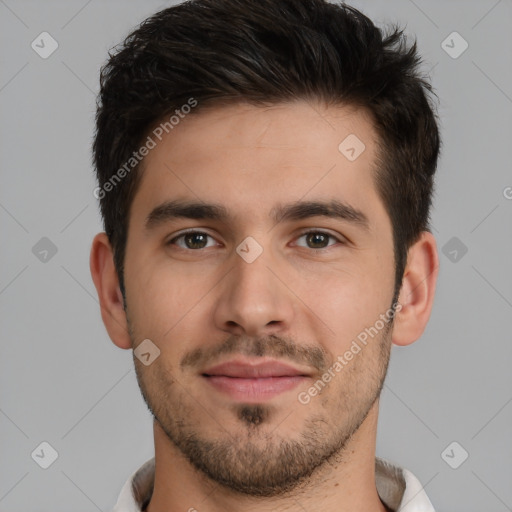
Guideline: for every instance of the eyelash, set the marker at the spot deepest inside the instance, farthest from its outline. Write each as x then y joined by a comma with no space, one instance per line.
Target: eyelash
303,233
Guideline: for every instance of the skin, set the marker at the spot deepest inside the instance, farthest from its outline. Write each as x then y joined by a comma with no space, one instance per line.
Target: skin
315,299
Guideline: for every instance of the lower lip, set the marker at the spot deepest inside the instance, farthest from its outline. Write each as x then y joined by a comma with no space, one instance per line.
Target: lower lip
254,389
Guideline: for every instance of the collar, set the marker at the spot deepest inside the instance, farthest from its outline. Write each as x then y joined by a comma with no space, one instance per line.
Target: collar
397,487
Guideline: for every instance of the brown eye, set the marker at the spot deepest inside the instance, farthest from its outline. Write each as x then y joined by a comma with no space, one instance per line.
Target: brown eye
191,240
318,239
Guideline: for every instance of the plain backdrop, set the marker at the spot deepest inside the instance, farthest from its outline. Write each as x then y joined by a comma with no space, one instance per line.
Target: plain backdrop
63,382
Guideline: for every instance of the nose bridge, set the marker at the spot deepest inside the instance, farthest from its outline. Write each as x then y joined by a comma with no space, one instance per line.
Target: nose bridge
252,299
251,274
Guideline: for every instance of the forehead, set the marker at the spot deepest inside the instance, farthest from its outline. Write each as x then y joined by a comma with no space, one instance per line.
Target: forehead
251,158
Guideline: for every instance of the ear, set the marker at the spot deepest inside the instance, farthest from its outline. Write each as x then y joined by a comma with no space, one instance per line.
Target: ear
105,279
417,292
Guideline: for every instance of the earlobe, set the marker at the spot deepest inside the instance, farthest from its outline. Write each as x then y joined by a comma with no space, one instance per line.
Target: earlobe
417,291
106,281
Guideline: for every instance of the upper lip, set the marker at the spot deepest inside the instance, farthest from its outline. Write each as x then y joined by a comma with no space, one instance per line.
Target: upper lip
253,369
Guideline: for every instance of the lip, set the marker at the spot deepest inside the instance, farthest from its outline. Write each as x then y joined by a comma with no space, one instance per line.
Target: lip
253,380
246,369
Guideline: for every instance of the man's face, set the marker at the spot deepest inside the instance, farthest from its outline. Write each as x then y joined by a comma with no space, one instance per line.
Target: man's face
249,311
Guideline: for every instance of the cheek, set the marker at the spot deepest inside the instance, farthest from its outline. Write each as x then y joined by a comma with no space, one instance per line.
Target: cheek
347,300
168,303
156,298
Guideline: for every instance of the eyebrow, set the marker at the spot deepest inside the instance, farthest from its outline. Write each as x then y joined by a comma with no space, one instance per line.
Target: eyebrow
298,210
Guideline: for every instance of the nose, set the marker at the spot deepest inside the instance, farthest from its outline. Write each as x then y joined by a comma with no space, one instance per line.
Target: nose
254,299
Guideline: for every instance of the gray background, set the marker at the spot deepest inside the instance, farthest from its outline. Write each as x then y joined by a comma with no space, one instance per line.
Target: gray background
62,380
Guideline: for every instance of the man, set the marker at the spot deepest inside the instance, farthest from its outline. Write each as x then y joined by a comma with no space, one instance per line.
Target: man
265,174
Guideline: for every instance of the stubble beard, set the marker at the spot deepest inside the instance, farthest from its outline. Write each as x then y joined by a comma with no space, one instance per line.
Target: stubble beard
256,460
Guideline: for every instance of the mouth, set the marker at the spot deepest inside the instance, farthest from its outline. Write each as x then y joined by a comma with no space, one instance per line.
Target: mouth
254,380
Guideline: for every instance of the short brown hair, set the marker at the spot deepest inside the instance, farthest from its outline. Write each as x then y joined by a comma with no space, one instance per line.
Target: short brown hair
267,52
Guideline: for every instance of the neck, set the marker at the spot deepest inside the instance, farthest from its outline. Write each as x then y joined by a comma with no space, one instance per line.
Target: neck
344,483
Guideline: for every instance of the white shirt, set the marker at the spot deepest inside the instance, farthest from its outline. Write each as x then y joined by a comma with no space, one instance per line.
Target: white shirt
397,487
